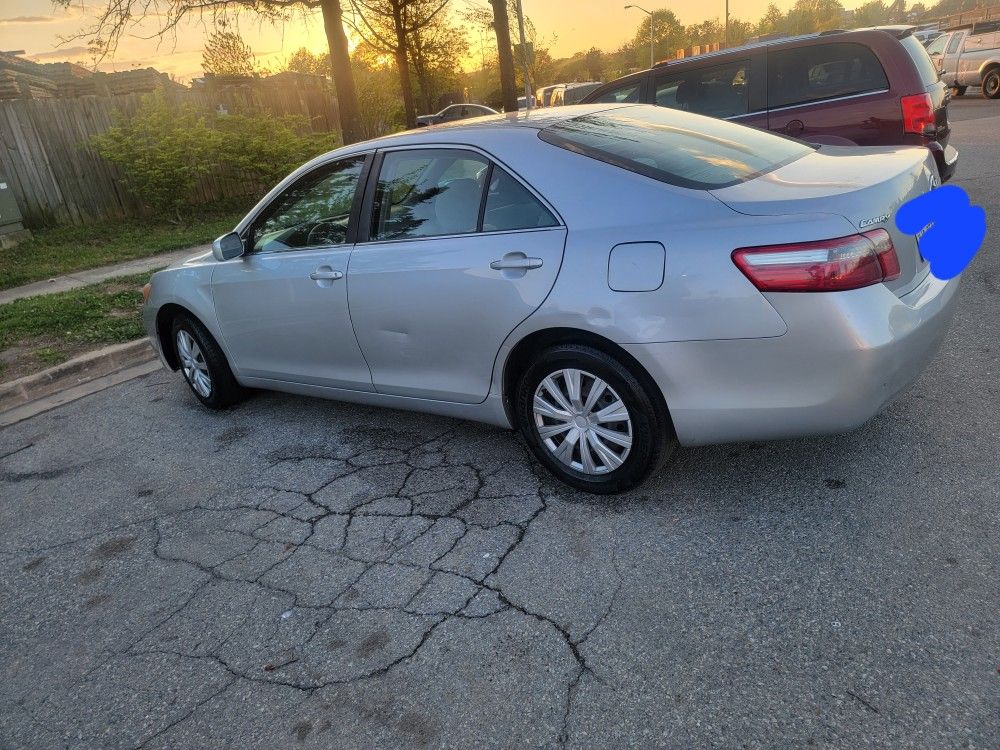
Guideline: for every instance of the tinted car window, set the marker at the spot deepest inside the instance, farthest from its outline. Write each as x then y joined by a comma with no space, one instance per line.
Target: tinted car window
427,192
313,212
822,71
626,93
509,205
956,39
719,91
675,147
918,53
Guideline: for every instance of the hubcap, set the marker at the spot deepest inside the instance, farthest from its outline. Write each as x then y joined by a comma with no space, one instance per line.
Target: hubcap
193,364
582,421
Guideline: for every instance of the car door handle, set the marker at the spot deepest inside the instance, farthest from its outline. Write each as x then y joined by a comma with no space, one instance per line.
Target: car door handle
320,274
516,262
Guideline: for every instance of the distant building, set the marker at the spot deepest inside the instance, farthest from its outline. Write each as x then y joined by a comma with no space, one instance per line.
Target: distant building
21,78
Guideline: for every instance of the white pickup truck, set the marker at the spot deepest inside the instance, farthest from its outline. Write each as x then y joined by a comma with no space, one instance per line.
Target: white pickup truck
969,56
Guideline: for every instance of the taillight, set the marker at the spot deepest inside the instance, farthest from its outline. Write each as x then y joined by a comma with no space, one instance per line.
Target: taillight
825,266
918,114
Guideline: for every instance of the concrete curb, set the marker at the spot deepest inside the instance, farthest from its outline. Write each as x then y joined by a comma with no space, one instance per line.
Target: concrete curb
74,376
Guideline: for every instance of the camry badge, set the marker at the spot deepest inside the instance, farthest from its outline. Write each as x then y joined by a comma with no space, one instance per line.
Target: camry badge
873,220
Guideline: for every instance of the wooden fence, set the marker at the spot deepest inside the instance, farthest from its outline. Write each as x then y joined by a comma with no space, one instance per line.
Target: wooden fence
57,178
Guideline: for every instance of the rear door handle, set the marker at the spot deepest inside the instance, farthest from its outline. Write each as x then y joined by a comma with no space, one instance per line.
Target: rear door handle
516,262
325,274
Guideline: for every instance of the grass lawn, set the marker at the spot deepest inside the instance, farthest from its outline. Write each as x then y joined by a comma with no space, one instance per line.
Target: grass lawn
38,332
54,252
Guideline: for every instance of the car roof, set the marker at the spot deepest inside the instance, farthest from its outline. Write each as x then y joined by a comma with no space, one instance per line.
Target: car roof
534,119
898,31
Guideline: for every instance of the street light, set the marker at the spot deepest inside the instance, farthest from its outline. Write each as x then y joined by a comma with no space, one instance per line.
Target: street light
638,7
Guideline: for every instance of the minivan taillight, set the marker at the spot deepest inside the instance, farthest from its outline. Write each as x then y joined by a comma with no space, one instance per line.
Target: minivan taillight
918,114
825,266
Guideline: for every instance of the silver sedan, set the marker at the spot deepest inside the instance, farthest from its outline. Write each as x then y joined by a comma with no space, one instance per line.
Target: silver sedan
610,280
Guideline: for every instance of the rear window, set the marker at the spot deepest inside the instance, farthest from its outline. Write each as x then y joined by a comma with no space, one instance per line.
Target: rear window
679,148
822,71
918,53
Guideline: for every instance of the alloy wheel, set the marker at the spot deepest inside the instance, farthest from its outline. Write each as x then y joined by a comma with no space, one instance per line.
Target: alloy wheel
193,364
582,421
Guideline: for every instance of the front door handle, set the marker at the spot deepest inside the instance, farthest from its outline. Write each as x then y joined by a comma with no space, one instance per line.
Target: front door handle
326,274
516,262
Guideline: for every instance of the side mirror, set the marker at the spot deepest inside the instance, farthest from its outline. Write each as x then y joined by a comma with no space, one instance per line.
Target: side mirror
227,247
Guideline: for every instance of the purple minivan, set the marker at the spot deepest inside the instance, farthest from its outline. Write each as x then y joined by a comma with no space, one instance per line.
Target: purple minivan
870,87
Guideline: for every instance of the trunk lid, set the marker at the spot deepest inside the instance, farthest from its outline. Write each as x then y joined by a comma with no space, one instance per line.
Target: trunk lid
864,185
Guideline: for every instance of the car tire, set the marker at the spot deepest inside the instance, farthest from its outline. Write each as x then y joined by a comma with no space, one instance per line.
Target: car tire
590,443
203,364
991,84
958,90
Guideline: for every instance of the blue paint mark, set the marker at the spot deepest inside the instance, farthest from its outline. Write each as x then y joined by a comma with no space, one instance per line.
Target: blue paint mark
950,229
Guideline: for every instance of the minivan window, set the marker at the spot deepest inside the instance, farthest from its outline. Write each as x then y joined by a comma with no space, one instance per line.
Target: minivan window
918,53
675,147
822,71
628,93
718,91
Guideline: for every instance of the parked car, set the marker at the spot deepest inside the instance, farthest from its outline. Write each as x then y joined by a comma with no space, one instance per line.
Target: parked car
873,87
522,102
611,280
544,94
969,56
572,93
455,112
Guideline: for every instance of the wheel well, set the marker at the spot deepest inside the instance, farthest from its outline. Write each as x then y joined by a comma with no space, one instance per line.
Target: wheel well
521,355
164,322
990,67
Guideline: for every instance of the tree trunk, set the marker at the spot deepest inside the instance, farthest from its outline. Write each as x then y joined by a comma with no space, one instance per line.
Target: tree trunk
505,55
403,66
416,52
343,77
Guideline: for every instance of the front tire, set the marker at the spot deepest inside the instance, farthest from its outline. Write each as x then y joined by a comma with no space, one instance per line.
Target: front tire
204,365
590,421
991,84
957,91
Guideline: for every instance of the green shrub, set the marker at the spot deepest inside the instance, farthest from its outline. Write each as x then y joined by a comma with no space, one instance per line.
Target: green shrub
162,150
260,150
166,147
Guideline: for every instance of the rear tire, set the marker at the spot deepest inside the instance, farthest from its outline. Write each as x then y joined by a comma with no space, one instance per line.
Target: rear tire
203,364
590,421
991,84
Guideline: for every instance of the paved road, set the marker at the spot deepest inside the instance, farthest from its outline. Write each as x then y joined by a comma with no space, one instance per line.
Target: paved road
297,573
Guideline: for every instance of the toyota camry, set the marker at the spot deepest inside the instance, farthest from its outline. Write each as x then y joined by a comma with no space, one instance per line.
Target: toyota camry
612,281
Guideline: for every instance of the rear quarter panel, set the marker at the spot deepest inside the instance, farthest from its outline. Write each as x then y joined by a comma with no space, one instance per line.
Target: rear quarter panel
703,294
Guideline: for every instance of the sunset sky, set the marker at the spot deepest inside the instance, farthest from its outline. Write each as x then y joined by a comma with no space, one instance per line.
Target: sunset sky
567,26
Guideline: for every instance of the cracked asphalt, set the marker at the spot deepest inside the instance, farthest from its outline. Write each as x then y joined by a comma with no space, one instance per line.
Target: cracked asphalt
300,573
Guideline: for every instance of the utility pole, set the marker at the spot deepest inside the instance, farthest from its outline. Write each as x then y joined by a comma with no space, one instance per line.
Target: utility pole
637,7
524,54
727,23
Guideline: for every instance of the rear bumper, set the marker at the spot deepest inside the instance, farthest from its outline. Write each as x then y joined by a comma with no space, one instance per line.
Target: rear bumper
946,158
844,357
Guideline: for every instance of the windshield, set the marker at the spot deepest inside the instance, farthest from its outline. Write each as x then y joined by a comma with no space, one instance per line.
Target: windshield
679,148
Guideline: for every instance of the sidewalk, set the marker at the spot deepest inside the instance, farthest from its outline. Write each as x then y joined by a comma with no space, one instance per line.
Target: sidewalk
95,275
